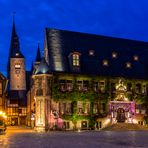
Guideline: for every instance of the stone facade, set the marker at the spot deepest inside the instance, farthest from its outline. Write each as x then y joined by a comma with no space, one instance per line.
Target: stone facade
42,101
76,109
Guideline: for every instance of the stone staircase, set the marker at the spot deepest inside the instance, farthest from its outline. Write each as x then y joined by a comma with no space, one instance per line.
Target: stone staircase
125,127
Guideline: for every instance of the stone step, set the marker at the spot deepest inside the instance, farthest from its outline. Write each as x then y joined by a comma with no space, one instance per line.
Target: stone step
125,127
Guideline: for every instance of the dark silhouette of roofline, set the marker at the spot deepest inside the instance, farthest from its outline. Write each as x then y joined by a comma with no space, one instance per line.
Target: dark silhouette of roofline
99,35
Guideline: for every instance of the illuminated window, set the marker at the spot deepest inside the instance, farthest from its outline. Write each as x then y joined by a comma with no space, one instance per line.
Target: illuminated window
136,58
91,52
102,86
128,65
17,66
76,59
17,54
105,62
114,55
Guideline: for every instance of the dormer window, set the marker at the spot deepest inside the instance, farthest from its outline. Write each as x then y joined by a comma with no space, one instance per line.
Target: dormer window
114,55
91,52
128,65
76,59
136,58
105,63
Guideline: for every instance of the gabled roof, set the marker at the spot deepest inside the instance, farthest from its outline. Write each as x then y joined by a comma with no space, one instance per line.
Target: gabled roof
61,44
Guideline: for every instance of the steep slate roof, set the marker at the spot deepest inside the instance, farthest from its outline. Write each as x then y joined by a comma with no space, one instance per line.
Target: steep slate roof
61,43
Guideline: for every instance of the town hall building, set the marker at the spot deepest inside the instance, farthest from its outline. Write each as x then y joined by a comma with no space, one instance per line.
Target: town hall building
83,81
88,81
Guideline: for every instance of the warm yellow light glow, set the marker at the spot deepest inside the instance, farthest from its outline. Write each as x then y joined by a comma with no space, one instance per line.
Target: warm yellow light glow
107,121
130,120
126,99
135,121
76,60
120,86
3,114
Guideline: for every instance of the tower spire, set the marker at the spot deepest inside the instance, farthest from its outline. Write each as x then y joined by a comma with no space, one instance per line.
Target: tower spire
38,56
15,44
13,26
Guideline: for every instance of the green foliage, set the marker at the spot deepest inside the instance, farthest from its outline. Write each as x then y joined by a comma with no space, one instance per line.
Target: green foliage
76,95
140,99
146,119
92,96
91,116
75,117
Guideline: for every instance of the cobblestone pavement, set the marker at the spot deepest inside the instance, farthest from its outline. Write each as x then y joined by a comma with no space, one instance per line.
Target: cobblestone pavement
23,137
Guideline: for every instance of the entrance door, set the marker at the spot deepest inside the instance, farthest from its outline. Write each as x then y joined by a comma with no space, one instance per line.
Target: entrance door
120,115
14,121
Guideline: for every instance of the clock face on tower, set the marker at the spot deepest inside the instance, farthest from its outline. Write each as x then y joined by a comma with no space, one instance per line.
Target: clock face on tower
17,71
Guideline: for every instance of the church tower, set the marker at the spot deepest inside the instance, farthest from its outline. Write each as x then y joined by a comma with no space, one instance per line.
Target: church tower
16,64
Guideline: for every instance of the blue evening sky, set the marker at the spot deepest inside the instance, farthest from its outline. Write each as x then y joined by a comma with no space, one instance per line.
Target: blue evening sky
118,18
